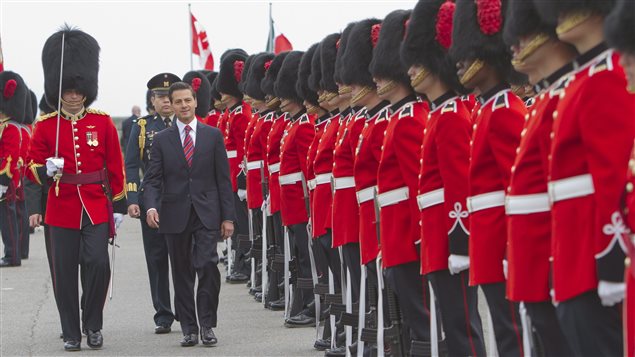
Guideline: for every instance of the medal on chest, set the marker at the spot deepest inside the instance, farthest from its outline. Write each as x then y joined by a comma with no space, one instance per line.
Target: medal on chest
92,139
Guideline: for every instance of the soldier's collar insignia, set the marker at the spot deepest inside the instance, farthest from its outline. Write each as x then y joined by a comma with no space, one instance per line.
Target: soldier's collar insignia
406,111
501,101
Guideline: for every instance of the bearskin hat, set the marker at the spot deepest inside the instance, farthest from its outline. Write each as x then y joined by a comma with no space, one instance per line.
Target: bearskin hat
230,73
203,89
316,69
359,53
386,62
341,48
245,74
523,20
81,64
304,72
328,52
257,73
45,108
14,96
271,73
31,108
550,10
284,87
619,27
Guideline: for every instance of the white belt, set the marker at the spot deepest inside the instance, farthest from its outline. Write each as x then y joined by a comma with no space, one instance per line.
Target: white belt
393,196
341,183
525,204
571,187
366,194
323,178
430,199
311,184
253,165
273,168
232,154
485,201
290,179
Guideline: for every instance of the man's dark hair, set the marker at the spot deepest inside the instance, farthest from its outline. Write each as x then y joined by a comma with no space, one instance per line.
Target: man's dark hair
180,86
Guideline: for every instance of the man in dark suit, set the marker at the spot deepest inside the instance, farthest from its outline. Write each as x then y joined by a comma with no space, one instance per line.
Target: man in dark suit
188,175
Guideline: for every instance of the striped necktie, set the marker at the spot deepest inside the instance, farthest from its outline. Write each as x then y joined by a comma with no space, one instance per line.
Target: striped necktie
188,146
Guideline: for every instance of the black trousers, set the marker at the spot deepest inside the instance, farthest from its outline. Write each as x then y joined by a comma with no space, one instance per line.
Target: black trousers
412,295
157,261
241,232
548,338
22,217
590,328
350,253
330,258
256,225
274,241
458,304
299,238
193,255
506,319
71,249
10,232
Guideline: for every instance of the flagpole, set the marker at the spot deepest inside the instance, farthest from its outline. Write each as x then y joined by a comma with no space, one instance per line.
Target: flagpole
189,19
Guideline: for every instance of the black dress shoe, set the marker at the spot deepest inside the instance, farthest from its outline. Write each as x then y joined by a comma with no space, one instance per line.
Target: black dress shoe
161,329
300,320
237,278
258,297
336,352
6,263
95,340
276,305
322,344
72,346
208,337
189,340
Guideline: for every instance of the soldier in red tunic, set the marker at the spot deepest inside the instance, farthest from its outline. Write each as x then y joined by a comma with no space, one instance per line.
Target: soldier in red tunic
539,54
445,154
483,62
588,162
88,183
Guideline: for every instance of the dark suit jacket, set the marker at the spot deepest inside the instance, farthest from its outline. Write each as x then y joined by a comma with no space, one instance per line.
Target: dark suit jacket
126,126
206,185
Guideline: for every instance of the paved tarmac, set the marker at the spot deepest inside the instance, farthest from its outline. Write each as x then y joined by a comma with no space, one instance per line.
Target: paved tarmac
29,321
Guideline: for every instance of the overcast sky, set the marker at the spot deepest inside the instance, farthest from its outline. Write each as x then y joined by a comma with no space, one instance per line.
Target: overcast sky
139,39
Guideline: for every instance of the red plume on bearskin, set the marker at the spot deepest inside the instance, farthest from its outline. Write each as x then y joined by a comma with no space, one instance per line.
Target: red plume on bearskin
9,88
196,84
374,34
238,70
267,65
13,101
489,16
444,24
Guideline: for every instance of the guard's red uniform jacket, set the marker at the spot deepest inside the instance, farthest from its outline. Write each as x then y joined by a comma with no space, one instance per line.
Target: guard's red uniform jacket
88,143
213,118
293,169
345,220
235,128
320,129
445,158
629,277
25,132
256,163
591,144
527,202
321,207
498,121
367,155
274,140
397,183
10,143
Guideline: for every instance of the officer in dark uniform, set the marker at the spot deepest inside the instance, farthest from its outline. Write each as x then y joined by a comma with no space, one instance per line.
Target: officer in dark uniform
137,157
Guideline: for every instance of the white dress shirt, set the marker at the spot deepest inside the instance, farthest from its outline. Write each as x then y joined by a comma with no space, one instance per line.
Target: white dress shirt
181,127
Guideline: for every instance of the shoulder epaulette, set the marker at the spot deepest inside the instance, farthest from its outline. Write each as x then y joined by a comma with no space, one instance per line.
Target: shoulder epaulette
47,116
529,102
97,111
450,107
501,101
304,119
407,111
604,64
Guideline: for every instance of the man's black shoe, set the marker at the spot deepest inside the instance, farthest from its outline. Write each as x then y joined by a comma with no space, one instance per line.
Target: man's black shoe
6,263
256,290
336,352
161,329
94,340
72,346
258,297
322,344
237,278
276,305
189,340
208,337
300,320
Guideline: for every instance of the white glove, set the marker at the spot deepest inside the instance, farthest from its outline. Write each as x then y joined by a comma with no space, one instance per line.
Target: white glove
505,268
458,263
242,194
611,292
54,164
118,218
3,189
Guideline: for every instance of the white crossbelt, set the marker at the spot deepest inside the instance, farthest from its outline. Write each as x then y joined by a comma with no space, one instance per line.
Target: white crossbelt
366,194
232,154
321,179
526,204
311,184
273,168
341,183
254,165
393,196
430,198
485,201
571,187
290,179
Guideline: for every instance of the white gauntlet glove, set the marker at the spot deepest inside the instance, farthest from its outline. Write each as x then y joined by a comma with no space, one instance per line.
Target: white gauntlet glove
54,164
3,189
118,218
242,194
458,263
611,292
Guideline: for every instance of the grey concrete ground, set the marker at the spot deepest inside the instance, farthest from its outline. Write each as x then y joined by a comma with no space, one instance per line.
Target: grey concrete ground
29,322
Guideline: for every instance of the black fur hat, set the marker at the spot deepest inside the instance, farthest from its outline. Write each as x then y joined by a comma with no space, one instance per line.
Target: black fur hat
316,69
386,62
46,108
14,95
232,50
549,10
359,53
81,64
328,52
523,20
304,72
619,27
284,87
341,48
231,69
257,73
271,74
203,89
477,34
214,92
30,108
245,74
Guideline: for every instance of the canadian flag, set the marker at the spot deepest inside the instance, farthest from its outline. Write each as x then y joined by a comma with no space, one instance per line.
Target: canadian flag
200,45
